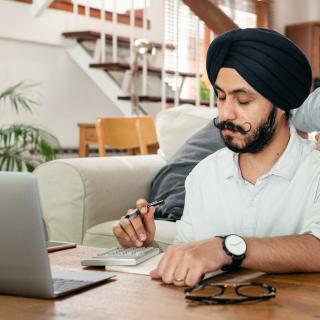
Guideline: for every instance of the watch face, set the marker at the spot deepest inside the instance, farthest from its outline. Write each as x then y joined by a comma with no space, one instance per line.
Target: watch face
235,245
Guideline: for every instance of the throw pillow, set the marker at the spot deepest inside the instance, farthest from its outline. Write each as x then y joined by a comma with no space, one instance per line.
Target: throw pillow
168,184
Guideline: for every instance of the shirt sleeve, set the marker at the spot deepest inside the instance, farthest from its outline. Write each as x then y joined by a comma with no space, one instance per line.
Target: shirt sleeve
307,117
312,220
185,231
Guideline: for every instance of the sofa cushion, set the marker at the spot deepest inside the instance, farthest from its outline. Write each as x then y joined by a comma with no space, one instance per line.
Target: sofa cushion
175,125
101,235
168,184
78,194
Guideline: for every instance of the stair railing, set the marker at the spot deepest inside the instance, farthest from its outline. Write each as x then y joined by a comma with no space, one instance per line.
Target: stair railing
100,52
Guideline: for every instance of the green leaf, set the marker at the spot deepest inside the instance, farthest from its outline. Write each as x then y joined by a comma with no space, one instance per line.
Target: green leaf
23,147
16,95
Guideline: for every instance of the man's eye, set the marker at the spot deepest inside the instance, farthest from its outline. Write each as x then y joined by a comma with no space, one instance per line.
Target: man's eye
221,98
243,103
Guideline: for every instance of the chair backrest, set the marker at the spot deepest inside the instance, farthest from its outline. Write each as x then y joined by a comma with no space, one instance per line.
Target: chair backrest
126,133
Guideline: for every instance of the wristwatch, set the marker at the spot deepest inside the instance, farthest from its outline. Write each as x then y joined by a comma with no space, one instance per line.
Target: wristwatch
235,247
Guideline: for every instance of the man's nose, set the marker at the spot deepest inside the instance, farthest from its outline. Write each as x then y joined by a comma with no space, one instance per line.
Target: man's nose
227,110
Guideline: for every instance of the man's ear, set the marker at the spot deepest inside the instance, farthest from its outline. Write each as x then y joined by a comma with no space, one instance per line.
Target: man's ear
280,114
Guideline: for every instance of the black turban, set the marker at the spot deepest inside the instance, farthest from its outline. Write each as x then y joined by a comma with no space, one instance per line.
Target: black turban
267,60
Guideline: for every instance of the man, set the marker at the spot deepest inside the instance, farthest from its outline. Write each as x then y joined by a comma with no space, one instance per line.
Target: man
255,203
169,182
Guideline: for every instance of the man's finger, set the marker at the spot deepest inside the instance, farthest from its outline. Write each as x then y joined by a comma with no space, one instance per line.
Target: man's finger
157,273
170,269
148,220
147,215
193,276
154,274
120,233
141,203
129,229
122,237
180,274
139,228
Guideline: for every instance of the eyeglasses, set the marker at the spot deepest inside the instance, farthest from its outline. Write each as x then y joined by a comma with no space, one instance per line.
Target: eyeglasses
218,293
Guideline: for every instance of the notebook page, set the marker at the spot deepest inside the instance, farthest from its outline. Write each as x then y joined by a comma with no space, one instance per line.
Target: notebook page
142,268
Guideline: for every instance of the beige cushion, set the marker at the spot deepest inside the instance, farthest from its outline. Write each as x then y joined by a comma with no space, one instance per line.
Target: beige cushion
78,194
174,126
101,235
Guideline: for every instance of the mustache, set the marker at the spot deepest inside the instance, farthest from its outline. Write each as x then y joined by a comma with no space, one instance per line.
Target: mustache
229,125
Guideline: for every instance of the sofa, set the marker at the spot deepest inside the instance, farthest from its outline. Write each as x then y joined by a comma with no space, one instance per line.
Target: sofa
82,198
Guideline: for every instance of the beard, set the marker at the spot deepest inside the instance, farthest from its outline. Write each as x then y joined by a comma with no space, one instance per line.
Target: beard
255,141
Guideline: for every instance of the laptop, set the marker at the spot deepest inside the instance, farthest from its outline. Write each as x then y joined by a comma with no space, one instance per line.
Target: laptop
24,262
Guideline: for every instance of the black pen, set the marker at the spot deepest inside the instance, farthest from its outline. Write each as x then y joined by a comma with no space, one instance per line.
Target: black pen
137,211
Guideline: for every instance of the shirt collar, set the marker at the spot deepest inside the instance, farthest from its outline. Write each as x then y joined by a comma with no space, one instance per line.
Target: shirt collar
285,167
230,164
287,164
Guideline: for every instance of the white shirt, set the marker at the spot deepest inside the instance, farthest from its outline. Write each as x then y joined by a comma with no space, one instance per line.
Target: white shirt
284,201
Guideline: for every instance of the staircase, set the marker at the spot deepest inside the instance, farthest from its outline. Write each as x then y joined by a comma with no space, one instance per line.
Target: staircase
120,71
105,55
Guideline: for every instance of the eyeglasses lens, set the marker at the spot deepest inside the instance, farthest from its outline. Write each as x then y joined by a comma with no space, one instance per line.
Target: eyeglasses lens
207,291
253,291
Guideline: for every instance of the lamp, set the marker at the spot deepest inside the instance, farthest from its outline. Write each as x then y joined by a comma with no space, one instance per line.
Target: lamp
143,46
140,48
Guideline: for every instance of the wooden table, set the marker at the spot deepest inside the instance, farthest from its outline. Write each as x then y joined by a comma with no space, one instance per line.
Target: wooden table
87,135
138,297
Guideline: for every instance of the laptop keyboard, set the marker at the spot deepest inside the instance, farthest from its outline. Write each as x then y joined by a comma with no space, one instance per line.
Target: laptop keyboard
63,285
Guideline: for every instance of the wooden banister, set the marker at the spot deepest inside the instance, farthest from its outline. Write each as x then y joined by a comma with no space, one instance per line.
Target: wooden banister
212,15
65,5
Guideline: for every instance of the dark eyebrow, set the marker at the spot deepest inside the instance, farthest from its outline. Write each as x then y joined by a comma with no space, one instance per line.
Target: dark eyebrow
235,91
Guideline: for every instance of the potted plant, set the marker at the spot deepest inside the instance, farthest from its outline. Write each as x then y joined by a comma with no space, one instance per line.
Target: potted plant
24,146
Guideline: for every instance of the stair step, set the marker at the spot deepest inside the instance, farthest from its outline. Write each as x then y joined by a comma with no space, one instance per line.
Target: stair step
168,99
118,66
94,35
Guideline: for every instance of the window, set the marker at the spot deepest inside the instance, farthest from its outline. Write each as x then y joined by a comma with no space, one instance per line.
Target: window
243,12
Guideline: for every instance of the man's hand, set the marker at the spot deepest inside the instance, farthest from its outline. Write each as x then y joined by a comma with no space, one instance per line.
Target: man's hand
185,264
137,231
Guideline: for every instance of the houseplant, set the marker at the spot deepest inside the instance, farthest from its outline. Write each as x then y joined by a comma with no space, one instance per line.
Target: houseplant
24,146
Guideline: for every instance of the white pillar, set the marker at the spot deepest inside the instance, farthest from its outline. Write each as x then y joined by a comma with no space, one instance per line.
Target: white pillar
144,57
163,54
87,10
197,56
132,29
75,14
114,35
103,34
176,98
85,20
212,99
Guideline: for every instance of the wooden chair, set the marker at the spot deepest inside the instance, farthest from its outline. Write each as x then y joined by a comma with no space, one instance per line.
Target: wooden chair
130,133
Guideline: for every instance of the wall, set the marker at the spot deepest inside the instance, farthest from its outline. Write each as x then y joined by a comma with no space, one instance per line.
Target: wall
33,49
295,11
17,22
66,94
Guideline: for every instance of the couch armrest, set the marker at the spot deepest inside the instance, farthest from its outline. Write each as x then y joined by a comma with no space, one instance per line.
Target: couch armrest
77,194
